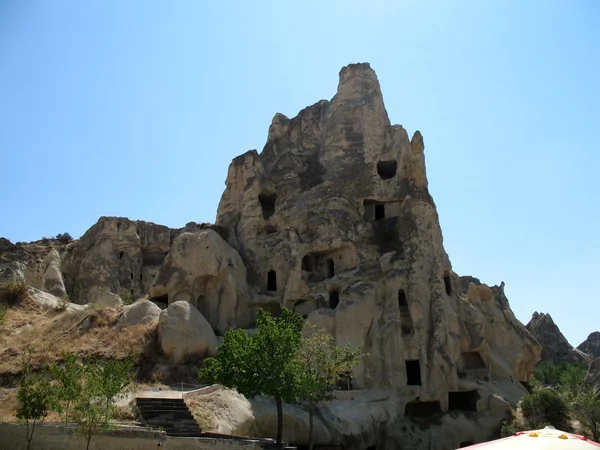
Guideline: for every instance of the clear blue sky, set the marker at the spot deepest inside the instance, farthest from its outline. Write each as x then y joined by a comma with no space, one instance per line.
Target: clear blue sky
135,108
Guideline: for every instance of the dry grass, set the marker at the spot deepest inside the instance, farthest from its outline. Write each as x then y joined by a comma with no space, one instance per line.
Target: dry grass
202,412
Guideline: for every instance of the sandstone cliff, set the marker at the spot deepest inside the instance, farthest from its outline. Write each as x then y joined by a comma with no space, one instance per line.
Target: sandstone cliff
555,346
591,345
333,219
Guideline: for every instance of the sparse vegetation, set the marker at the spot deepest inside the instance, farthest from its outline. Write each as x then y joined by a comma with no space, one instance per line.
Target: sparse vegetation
126,296
12,293
3,314
64,238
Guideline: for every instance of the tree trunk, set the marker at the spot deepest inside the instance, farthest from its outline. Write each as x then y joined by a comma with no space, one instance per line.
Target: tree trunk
310,425
279,420
88,442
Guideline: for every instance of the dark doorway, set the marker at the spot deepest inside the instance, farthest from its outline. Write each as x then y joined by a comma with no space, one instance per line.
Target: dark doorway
121,255
267,202
272,281
387,169
131,275
422,409
447,282
472,360
379,211
334,299
413,372
406,323
463,401
330,268
308,263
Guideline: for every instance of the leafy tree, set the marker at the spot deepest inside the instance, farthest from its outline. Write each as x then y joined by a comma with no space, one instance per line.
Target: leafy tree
68,384
265,363
322,363
34,395
64,238
545,407
571,379
586,409
101,383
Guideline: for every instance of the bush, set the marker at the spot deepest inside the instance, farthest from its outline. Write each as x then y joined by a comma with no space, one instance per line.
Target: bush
3,313
545,407
45,240
512,427
64,238
126,296
12,293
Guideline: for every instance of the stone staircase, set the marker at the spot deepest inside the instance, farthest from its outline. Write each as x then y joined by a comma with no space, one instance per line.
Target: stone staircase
171,414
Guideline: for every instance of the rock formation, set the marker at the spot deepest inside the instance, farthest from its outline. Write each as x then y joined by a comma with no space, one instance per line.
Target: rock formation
332,219
591,345
593,376
555,346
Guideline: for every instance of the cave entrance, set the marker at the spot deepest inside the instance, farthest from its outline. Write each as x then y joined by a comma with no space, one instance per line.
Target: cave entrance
267,202
447,282
308,263
131,275
472,361
162,301
406,323
422,409
387,169
330,268
201,306
413,372
463,401
344,382
121,255
334,298
271,281
379,211
374,211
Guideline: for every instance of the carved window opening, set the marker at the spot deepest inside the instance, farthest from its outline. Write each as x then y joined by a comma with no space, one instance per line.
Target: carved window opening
387,169
131,275
422,409
472,361
330,268
121,255
334,299
413,372
308,263
406,323
272,281
463,401
267,202
344,382
447,282
374,210
131,290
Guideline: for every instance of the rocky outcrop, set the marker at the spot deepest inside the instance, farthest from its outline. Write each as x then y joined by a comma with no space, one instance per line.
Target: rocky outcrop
593,376
555,346
116,254
591,345
183,332
204,270
139,313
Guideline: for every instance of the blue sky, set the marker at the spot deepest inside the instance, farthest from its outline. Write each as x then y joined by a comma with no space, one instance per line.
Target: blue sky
136,109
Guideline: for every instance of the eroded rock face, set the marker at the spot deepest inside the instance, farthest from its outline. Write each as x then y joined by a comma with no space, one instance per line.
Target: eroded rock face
115,254
555,346
591,345
593,376
140,312
334,219
203,269
183,332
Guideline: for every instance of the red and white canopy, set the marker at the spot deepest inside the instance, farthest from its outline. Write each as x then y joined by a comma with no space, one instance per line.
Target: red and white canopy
548,438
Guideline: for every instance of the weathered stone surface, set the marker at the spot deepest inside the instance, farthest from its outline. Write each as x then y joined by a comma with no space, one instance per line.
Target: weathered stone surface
555,346
13,272
203,269
184,332
53,280
107,300
140,312
591,345
115,254
593,376
47,300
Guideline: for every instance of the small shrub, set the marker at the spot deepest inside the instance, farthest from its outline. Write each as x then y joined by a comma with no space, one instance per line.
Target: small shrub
545,407
509,428
12,293
126,296
45,240
63,303
64,238
3,313
20,243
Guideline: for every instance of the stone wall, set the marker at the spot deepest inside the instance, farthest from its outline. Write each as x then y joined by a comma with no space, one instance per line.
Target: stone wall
52,437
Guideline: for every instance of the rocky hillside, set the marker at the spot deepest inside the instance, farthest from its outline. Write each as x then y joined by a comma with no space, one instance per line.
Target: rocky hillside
591,345
332,219
555,346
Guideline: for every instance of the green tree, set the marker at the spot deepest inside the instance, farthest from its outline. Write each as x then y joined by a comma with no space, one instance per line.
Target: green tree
34,395
586,409
545,407
102,382
571,379
322,364
264,364
68,384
